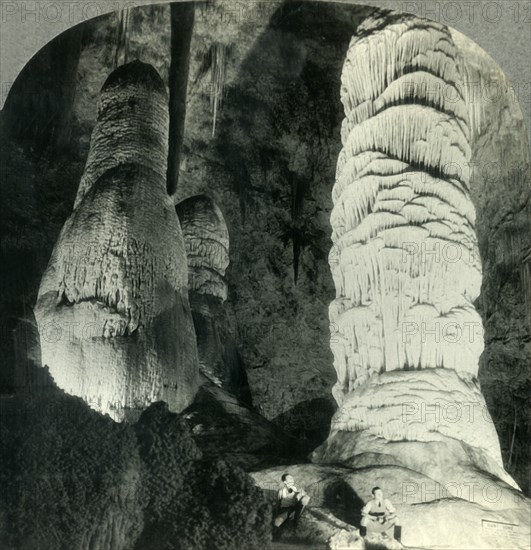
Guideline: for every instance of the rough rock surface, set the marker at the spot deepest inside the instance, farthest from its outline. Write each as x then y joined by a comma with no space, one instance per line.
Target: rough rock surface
430,517
206,241
344,540
72,478
222,426
113,313
411,415
319,529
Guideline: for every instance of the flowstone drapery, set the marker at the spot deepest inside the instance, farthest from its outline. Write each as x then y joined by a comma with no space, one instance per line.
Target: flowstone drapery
112,311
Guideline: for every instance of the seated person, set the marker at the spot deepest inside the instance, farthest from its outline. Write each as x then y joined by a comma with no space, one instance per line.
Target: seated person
379,516
291,502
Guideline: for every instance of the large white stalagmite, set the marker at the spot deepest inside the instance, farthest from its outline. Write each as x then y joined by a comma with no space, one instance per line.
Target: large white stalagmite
405,257
112,310
406,337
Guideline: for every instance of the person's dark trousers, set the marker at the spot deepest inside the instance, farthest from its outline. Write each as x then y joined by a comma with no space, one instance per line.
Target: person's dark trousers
280,517
299,509
284,514
397,535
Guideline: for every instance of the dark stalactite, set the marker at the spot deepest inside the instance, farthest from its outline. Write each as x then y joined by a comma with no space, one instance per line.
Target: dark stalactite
182,24
122,40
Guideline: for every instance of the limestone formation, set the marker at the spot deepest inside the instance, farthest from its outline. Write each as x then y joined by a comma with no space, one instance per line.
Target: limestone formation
405,259
206,240
112,309
132,124
406,337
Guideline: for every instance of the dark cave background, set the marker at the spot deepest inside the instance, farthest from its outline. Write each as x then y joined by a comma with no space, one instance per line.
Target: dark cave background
268,160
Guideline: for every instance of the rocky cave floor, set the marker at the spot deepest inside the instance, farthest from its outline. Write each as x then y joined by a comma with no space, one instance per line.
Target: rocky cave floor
223,427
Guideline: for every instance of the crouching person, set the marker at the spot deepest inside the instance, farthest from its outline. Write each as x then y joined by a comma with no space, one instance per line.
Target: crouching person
379,516
291,502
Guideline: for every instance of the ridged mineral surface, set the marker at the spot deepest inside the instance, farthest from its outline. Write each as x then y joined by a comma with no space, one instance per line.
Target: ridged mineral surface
112,310
206,240
406,337
405,259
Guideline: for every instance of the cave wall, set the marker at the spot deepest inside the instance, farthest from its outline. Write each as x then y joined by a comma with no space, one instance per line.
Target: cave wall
39,164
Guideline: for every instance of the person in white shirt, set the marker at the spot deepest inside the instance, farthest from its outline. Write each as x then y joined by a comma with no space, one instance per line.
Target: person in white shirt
291,502
379,516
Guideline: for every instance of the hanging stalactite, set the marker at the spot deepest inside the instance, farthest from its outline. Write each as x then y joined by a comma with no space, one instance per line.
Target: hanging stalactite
217,80
182,25
122,40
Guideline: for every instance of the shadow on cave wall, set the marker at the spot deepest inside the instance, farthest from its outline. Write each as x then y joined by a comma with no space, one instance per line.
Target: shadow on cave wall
308,422
41,164
343,501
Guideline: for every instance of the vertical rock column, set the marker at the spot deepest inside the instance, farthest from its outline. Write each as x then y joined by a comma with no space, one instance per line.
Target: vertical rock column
405,259
112,311
406,337
206,241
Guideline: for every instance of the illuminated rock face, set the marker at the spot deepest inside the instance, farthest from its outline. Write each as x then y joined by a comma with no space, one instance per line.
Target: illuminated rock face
206,240
112,311
405,259
132,124
406,337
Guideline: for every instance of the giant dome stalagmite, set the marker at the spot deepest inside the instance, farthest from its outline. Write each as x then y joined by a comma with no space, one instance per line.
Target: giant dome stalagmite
113,313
